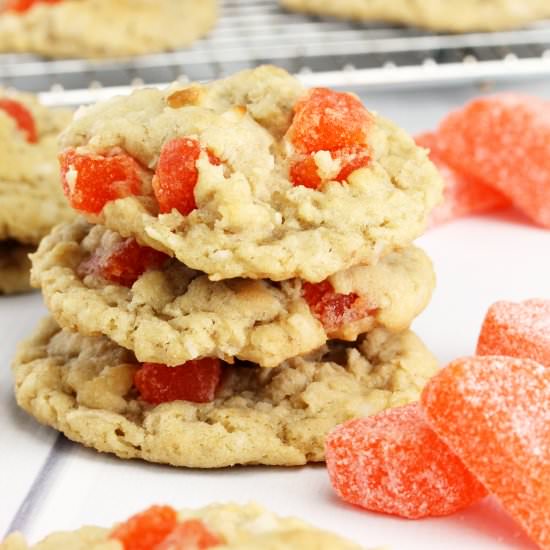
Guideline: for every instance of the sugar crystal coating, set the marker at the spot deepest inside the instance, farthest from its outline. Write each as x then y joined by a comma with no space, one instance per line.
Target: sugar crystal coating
145,530
395,463
494,413
464,194
504,140
22,116
517,330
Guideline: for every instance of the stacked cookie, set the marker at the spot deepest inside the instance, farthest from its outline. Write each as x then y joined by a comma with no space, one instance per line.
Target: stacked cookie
244,279
31,202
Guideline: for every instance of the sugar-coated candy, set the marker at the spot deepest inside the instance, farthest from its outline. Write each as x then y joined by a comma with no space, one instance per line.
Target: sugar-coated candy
24,5
190,535
504,140
394,463
494,413
22,117
464,195
518,330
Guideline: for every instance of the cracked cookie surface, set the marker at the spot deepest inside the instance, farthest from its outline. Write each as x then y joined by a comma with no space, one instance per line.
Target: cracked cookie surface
239,526
83,387
106,28
243,216
442,15
31,200
173,314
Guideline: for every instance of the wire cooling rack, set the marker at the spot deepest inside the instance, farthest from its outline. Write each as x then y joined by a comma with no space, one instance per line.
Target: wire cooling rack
322,51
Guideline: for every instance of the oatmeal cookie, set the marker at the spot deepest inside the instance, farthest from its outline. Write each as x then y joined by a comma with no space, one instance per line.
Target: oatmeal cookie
103,28
14,267
31,201
226,526
253,176
85,387
438,15
171,314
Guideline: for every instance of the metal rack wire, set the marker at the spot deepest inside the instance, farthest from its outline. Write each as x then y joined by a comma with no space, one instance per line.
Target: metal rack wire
321,51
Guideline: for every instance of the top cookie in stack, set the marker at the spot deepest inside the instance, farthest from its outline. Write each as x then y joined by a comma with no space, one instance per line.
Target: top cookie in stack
245,275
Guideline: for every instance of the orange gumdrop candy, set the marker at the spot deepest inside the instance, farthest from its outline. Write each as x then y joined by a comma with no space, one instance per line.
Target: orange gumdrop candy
494,413
91,181
22,116
190,535
124,263
504,140
464,195
145,530
194,381
24,5
394,463
332,309
177,175
518,330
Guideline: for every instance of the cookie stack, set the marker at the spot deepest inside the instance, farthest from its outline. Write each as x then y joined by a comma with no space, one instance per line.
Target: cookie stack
31,202
243,279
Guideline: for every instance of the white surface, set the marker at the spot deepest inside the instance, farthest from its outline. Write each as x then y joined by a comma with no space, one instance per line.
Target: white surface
478,261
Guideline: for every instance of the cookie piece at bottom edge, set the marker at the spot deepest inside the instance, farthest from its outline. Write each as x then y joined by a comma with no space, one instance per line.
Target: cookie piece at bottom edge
15,267
242,527
83,387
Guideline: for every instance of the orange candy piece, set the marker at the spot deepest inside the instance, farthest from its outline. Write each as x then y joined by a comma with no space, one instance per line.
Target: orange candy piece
325,120
464,195
394,463
194,381
332,309
190,535
304,172
24,5
123,264
22,116
504,141
517,330
91,181
494,413
145,530
177,175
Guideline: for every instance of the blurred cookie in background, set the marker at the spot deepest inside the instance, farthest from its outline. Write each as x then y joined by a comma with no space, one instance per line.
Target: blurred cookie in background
31,200
438,15
102,28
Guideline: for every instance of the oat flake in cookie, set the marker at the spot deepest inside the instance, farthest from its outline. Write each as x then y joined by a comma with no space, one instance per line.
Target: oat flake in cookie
89,389
439,15
253,176
31,201
102,28
220,526
96,282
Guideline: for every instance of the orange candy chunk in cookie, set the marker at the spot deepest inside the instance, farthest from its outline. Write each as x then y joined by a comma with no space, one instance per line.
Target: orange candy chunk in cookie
494,413
505,142
190,535
325,120
305,172
24,5
464,194
124,263
394,463
91,181
328,121
517,330
177,175
147,529
194,381
332,309
22,116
